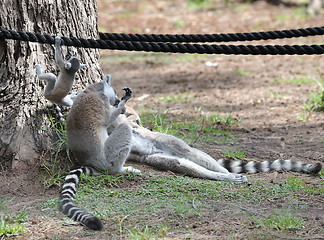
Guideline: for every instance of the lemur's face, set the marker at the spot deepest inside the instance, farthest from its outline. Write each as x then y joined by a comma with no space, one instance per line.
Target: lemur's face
73,65
110,92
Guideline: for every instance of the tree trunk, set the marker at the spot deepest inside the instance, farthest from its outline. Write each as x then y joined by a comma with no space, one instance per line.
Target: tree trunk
23,109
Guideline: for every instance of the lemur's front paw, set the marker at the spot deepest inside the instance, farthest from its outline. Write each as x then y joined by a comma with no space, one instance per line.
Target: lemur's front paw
123,111
128,93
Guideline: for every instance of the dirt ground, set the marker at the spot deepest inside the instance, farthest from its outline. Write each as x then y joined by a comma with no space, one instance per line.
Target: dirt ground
247,87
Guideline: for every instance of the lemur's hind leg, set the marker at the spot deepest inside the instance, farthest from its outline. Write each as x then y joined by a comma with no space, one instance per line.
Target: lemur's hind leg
186,167
176,147
116,150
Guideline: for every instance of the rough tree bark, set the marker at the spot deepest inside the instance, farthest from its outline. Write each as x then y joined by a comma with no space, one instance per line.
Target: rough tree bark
23,110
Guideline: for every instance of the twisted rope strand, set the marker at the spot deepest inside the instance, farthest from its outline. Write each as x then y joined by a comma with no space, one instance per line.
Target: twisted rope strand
167,47
222,37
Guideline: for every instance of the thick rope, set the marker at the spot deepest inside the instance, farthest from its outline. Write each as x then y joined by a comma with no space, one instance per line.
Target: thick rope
222,37
168,47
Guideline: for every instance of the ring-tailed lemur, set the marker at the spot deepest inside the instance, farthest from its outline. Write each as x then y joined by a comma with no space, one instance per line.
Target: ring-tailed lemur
57,88
102,138
170,153
156,149
93,111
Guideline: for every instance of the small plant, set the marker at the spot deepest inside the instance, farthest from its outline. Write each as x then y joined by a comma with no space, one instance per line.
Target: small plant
215,118
59,129
144,233
296,184
8,230
242,72
197,4
295,80
235,154
279,221
8,217
11,225
316,101
302,117
54,174
179,24
275,95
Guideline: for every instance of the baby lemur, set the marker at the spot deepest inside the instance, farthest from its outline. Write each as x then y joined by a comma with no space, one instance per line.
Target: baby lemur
57,88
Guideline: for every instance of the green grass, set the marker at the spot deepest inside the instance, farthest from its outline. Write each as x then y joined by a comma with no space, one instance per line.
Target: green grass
176,191
297,184
11,225
234,154
315,102
208,128
198,4
242,72
280,221
146,232
179,24
316,99
147,207
51,165
295,80
303,116
8,230
276,95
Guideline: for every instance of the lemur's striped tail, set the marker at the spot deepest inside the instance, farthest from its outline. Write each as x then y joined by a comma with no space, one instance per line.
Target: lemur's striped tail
67,205
238,166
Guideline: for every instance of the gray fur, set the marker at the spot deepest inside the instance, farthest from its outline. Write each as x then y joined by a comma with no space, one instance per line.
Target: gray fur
87,122
102,138
170,153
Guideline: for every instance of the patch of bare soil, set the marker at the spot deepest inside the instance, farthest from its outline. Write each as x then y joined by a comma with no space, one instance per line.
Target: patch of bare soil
268,109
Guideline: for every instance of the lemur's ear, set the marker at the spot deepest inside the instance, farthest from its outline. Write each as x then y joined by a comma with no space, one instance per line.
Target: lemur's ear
107,79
